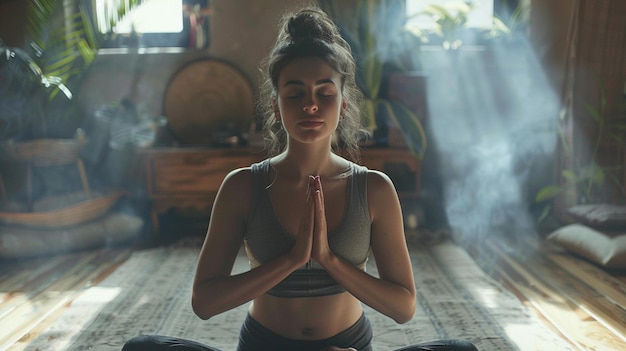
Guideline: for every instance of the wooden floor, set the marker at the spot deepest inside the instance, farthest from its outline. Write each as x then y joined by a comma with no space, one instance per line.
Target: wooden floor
582,303
34,292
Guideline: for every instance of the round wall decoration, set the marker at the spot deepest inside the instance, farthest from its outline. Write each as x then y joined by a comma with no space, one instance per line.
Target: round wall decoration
208,98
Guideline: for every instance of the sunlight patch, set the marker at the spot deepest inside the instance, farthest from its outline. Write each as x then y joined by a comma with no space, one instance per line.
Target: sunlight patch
98,295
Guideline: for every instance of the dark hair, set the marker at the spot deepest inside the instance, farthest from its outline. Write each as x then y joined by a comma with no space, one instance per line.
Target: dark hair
311,33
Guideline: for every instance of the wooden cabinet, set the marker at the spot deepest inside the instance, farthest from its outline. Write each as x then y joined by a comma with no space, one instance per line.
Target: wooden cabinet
187,179
402,166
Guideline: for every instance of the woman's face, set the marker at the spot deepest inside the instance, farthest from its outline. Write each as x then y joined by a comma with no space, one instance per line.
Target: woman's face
309,100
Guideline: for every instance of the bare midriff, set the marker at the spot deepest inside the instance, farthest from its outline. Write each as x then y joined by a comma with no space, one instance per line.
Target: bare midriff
307,318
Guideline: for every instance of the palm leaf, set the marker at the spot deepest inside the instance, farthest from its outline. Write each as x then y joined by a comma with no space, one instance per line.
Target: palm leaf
368,114
407,123
69,44
60,47
90,36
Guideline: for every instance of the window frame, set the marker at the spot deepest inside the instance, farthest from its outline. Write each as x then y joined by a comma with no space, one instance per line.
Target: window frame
150,40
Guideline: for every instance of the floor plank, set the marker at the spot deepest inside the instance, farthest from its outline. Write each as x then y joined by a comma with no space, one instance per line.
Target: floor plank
581,310
49,285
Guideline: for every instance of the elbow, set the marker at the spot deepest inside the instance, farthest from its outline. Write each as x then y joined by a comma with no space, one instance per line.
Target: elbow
406,313
404,316
201,309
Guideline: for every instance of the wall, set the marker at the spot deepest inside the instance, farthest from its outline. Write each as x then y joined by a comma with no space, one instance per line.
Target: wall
12,17
548,31
593,32
582,44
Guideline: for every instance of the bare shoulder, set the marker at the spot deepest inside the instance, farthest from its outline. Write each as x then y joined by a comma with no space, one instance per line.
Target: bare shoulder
236,188
378,181
382,197
240,177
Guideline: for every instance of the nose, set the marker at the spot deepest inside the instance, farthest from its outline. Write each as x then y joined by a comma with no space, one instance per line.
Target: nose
310,106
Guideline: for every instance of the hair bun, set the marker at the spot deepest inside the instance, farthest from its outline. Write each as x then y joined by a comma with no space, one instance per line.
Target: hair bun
309,25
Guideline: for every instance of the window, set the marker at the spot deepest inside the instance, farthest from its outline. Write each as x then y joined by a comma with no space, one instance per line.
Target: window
156,23
479,17
451,23
164,16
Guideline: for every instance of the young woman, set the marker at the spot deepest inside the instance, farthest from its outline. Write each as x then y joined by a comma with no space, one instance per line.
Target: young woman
308,217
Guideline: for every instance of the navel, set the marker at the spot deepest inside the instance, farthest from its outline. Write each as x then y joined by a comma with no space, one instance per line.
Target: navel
307,331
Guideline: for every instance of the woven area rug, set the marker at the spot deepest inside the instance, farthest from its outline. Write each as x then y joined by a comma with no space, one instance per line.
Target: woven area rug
150,294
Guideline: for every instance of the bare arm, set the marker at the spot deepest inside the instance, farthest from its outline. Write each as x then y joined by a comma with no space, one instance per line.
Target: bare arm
393,294
215,290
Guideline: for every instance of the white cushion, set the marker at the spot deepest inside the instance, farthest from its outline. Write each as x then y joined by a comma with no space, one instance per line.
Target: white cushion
17,242
601,248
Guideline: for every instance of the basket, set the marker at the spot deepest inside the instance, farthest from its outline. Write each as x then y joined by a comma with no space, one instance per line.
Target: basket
78,213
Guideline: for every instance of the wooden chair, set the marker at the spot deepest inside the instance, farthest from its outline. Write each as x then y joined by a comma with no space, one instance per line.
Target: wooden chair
46,153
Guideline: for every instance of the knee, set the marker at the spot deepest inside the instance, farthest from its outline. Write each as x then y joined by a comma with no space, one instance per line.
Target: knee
455,345
137,343
466,346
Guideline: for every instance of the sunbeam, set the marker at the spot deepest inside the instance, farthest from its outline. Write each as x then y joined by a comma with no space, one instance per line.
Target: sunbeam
493,119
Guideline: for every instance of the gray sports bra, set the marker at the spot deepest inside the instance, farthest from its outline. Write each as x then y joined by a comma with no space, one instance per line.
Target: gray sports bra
266,239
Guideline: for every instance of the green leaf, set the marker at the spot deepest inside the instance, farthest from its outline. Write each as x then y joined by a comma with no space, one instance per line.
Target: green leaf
407,123
594,113
544,213
598,176
547,193
368,115
569,175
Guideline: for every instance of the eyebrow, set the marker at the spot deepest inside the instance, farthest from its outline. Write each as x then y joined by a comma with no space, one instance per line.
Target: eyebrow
318,82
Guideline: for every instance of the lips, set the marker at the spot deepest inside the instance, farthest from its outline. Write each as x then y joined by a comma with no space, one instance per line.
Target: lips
311,123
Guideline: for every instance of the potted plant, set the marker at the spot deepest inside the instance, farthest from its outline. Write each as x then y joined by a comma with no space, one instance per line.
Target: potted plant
586,180
37,123
61,42
368,35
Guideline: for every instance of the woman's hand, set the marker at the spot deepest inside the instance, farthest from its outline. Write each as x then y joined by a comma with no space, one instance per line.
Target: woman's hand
312,237
335,348
321,249
301,250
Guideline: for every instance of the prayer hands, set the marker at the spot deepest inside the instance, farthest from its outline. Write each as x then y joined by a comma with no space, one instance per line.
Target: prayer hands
312,237
320,250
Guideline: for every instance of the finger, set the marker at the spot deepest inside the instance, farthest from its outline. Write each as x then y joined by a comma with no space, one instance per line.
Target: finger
319,202
308,218
309,215
310,188
320,217
318,189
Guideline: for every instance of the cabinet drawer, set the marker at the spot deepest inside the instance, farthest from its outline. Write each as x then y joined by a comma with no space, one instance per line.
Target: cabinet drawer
191,173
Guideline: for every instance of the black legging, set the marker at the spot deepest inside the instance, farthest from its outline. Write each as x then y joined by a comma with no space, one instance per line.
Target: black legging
255,337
